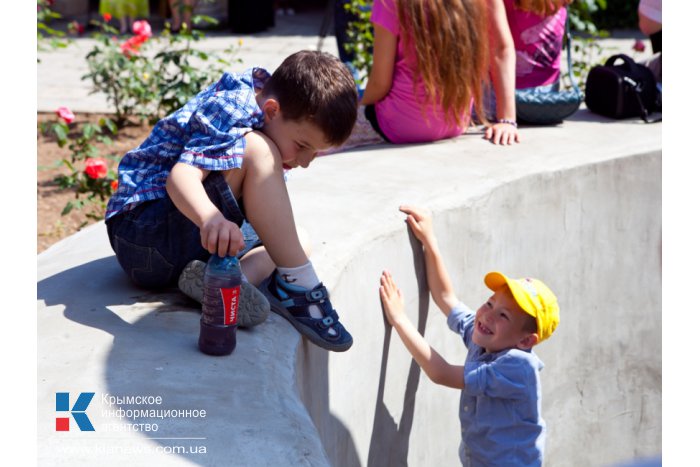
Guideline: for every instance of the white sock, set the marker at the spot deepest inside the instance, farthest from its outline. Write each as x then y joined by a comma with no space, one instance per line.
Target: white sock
304,276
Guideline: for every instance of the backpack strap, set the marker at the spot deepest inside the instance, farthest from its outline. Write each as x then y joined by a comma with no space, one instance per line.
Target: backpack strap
636,87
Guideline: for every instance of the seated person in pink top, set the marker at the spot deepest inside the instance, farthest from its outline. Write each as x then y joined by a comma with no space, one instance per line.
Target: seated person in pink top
427,73
538,29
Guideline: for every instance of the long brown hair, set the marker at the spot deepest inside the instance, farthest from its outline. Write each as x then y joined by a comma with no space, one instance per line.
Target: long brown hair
541,7
450,42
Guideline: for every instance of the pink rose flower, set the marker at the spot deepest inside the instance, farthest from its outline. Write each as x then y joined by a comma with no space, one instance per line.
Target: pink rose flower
65,114
639,46
96,167
142,28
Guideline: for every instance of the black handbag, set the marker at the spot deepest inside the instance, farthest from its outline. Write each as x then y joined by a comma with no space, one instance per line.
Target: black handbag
622,91
549,108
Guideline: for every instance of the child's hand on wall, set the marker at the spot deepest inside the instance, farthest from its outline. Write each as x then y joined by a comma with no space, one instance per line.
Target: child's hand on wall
419,221
392,299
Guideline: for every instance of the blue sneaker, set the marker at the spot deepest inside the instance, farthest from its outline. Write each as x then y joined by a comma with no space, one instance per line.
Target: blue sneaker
292,303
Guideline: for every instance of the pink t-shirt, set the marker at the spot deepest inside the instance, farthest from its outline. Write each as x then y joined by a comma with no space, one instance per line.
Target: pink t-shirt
538,42
399,113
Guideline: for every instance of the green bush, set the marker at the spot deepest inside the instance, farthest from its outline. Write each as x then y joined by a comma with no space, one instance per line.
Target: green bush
360,38
88,172
142,77
47,37
150,77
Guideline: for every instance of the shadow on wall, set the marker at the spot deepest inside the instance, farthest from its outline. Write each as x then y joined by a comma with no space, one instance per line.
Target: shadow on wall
389,443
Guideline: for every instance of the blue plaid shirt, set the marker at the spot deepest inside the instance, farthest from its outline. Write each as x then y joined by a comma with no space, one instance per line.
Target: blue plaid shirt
208,132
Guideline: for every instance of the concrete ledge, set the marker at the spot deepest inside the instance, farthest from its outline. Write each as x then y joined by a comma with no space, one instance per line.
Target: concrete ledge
578,205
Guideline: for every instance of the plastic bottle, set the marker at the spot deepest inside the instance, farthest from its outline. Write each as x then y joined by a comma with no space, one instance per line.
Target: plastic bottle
222,291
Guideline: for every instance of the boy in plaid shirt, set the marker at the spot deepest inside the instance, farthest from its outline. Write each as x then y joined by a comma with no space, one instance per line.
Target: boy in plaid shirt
205,171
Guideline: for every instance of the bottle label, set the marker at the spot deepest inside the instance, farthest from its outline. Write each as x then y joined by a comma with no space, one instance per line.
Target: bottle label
230,298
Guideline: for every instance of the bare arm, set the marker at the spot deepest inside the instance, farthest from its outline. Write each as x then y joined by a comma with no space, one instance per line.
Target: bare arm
381,76
434,365
502,74
218,235
439,282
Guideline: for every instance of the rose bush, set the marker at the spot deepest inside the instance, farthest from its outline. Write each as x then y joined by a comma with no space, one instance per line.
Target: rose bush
143,76
88,174
148,77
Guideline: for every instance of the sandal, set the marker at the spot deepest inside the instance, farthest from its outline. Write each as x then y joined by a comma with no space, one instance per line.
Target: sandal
292,303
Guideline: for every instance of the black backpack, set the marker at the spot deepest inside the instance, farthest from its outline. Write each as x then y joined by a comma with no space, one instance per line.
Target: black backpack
622,91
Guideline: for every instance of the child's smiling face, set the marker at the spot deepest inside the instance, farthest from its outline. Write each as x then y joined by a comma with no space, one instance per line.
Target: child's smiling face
501,324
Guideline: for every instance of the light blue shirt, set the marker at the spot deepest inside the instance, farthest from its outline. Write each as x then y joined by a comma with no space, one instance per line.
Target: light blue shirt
500,404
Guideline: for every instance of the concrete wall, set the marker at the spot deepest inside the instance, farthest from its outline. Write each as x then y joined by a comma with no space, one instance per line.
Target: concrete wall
592,232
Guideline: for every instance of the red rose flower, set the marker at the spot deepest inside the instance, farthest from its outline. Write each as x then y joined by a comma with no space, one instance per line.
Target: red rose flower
107,17
639,46
65,114
76,27
132,45
114,185
142,28
95,167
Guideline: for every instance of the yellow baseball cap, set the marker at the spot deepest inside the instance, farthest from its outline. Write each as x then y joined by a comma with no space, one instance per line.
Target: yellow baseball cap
535,298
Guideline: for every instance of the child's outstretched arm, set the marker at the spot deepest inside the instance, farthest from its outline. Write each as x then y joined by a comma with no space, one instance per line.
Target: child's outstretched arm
437,369
218,234
418,219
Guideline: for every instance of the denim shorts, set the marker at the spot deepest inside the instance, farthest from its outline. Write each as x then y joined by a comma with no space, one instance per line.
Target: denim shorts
154,241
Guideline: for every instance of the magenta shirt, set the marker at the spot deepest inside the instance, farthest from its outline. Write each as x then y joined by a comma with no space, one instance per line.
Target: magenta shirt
399,113
538,42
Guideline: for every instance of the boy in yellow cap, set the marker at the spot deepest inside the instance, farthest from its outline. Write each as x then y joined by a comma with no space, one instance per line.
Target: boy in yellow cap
500,404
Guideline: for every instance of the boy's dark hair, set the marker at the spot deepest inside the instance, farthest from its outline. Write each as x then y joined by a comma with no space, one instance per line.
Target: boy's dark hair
316,86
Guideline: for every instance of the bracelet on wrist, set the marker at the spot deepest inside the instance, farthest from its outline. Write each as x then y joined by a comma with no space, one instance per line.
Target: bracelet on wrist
507,121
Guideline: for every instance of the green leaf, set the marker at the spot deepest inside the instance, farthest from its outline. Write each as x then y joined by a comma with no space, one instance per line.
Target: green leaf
68,208
61,134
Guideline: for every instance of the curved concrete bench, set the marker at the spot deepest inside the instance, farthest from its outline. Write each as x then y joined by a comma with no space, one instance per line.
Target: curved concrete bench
578,206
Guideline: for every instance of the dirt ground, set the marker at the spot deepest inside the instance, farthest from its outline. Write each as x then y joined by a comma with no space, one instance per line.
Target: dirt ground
51,199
